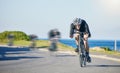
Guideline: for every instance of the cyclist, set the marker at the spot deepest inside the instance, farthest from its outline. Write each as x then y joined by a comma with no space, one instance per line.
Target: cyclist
80,25
11,39
54,36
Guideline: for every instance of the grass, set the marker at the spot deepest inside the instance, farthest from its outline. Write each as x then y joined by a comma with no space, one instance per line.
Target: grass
41,44
103,51
22,43
63,47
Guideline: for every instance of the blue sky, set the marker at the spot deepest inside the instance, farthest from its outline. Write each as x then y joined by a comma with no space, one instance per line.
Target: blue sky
40,16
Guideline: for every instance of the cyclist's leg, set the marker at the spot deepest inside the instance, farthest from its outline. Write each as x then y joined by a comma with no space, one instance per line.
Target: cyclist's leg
76,41
87,48
86,45
86,42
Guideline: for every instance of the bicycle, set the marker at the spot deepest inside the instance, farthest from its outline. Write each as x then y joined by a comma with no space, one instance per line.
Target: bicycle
82,52
53,45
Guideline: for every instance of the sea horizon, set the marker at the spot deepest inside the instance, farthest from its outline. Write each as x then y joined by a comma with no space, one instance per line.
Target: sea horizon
111,44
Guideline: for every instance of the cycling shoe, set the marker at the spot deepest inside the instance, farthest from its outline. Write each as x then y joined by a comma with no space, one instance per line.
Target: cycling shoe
89,59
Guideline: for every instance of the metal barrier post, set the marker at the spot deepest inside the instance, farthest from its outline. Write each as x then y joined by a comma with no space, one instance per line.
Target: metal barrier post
115,45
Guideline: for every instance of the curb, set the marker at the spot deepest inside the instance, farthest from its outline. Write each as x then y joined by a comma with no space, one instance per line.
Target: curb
105,57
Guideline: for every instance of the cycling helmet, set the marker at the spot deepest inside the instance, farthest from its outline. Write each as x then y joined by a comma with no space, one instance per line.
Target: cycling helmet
55,30
77,21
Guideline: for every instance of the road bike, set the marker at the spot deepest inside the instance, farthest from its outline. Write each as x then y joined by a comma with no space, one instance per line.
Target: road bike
82,52
53,48
53,44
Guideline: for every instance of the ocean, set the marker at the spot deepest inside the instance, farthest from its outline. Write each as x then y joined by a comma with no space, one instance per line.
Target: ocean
95,43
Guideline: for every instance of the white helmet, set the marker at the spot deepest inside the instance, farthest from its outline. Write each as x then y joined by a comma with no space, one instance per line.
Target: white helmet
77,21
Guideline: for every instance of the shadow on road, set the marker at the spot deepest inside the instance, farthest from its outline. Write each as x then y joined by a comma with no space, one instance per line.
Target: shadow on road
43,47
12,53
17,58
103,65
67,55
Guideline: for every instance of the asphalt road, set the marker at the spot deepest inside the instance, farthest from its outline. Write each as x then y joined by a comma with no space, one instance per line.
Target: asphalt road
24,60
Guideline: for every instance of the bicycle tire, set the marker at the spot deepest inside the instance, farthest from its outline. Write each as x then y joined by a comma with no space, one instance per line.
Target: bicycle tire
82,60
85,59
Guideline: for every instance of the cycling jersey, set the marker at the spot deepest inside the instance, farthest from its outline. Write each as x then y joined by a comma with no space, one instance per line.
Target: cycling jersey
83,27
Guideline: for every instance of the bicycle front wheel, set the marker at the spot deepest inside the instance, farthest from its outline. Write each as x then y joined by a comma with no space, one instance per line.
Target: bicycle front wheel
82,60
